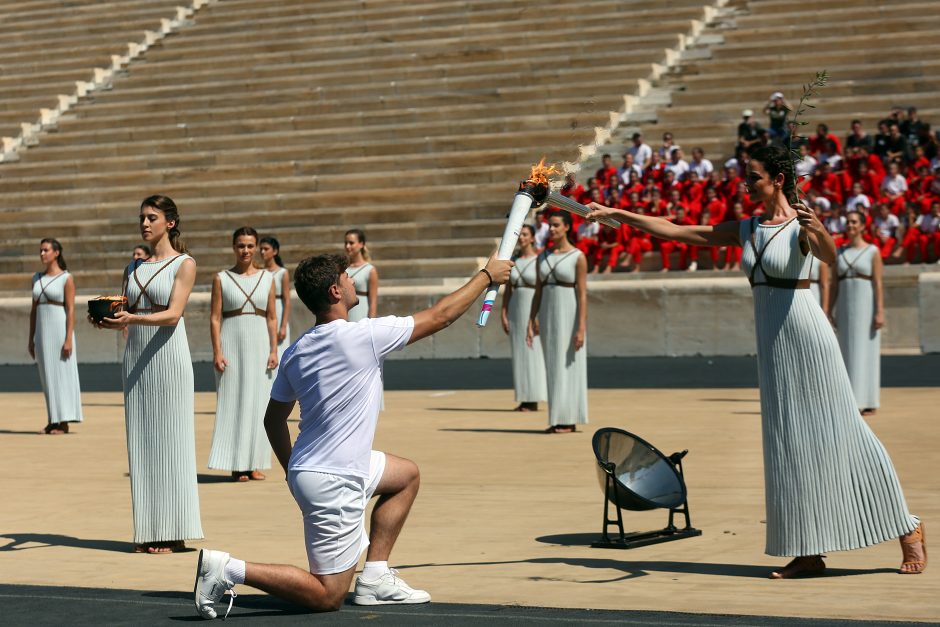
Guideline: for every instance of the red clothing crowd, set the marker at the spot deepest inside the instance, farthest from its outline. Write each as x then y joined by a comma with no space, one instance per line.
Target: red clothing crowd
893,179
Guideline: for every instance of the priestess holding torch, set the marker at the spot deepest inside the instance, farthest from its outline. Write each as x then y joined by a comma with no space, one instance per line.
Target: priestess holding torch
829,483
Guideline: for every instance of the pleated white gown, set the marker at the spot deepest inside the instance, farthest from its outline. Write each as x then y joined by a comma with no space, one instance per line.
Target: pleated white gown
59,377
158,406
278,276
855,311
528,363
239,441
360,278
814,279
565,368
829,483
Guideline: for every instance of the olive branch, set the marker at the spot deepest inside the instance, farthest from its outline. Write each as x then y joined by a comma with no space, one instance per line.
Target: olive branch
793,143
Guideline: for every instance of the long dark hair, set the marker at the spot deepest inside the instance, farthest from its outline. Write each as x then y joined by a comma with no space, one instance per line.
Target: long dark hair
531,230
361,236
777,160
271,241
56,246
172,214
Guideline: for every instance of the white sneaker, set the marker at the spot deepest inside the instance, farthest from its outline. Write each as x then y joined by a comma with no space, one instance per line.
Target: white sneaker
387,590
211,584
693,266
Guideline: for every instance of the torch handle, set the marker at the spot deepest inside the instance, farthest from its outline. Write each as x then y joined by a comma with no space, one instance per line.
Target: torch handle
517,215
564,203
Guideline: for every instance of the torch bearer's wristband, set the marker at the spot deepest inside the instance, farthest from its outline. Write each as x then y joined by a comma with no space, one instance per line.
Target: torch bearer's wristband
488,275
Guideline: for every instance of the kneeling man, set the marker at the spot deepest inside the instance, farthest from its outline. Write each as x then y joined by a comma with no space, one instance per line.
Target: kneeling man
335,371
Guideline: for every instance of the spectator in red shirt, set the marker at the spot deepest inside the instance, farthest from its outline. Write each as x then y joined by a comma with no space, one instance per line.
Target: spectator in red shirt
606,170
656,205
571,188
608,251
894,188
692,191
826,183
884,231
733,253
817,143
928,232
632,183
635,243
675,213
712,213
655,169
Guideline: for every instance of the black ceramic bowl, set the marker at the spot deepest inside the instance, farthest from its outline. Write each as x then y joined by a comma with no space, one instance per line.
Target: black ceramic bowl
105,307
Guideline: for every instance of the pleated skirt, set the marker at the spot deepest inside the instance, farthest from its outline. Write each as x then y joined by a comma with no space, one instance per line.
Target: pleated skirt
528,363
829,483
565,368
161,445
59,377
239,441
859,341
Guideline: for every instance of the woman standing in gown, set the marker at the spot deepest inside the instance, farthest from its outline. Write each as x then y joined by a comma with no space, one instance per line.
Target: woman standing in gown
52,339
559,317
243,326
363,274
528,365
829,484
271,259
857,296
158,385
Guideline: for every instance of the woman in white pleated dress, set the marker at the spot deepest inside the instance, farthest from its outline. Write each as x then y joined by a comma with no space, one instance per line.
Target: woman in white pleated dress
559,317
52,339
158,385
363,274
528,364
243,326
829,483
857,296
271,261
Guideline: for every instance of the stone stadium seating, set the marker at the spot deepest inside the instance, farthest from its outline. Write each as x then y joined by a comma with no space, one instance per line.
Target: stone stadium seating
413,119
878,55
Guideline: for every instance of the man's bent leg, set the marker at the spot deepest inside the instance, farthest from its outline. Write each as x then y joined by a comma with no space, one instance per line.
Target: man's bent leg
397,490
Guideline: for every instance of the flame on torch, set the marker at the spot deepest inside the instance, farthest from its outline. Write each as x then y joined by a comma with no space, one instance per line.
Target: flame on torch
541,172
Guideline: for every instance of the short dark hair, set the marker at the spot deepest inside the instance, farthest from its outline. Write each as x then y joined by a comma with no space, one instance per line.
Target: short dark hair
314,277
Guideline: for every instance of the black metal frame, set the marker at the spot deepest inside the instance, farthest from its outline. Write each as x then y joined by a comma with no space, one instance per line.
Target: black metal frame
642,538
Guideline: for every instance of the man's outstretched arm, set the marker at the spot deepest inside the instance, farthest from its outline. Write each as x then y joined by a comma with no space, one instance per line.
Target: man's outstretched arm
452,306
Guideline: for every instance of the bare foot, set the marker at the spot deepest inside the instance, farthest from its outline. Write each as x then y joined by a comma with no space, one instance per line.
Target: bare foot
914,552
808,566
561,429
256,475
868,411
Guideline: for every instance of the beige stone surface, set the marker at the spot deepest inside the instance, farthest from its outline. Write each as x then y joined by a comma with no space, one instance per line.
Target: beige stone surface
492,485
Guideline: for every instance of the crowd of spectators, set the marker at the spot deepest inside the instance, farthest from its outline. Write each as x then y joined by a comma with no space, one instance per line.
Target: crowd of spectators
891,177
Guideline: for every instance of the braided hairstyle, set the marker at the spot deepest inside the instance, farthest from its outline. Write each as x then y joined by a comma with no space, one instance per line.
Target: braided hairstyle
56,246
166,205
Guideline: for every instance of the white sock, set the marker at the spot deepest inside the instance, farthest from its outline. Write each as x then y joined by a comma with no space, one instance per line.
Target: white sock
234,570
373,570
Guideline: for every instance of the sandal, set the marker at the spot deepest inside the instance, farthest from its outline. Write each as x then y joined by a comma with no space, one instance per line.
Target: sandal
256,475
561,429
240,477
916,566
160,548
807,566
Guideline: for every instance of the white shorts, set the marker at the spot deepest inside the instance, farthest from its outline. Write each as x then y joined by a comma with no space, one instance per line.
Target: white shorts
334,511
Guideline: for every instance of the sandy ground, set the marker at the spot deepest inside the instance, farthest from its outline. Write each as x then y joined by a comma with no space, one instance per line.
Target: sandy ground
504,515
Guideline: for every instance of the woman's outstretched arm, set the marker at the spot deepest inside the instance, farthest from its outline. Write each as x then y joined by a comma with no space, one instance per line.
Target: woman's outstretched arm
724,234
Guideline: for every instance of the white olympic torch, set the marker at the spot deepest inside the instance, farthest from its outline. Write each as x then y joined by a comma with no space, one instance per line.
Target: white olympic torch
531,192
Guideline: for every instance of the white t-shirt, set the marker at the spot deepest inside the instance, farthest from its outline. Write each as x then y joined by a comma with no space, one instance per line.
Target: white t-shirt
928,224
887,226
853,203
679,168
641,154
836,225
805,166
541,235
894,184
703,168
335,371
589,229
